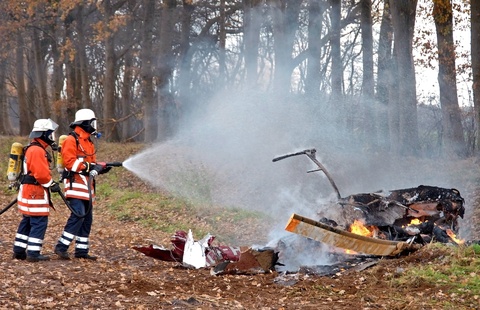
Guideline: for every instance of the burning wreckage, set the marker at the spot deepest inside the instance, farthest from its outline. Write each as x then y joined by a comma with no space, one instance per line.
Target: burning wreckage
372,225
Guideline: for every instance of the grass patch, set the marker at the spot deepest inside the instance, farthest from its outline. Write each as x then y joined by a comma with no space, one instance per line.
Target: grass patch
456,271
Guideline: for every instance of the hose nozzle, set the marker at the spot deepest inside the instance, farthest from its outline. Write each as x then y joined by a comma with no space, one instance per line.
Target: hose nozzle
115,164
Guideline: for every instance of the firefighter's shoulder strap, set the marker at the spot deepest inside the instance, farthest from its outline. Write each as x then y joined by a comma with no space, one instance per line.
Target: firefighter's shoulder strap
70,175
25,177
75,135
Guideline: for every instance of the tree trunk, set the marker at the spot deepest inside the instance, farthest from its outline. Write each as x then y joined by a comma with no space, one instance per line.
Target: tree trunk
83,59
167,108
40,77
184,75
24,121
150,105
72,74
5,126
454,142
312,80
126,101
475,50
368,86
336,67
109,125
403,16
222,36
251,25
384,76
285,22
57,81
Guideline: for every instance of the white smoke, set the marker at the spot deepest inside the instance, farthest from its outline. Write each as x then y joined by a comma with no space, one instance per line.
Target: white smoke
223,156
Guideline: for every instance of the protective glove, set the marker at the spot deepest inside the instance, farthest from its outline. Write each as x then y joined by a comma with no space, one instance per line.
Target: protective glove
105,168
55,188
95,169
88,167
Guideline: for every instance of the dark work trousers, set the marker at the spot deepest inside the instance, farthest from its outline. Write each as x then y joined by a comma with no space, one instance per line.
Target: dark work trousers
30,234
77,227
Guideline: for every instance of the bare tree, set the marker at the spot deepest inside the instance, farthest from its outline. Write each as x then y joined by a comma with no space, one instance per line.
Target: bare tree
384,67
368,85
337,66
475,50
316,10
24,115
454,142
5,127
285,23
167,108
252,22
403,17
39,77
80,14
111,63
184,53
150,114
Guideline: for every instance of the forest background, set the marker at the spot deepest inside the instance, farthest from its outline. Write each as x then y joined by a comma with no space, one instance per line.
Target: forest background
147,67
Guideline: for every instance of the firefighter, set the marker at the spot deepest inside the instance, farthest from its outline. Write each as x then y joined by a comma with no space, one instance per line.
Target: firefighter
80,169
33,199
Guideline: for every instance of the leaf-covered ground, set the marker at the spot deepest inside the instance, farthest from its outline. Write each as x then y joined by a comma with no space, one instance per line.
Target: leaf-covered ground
125,279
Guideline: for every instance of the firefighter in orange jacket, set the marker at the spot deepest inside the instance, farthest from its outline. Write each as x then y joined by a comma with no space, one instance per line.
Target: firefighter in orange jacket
34,196
81,168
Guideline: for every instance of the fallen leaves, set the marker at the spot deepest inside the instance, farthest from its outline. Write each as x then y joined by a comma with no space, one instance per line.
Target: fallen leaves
122,278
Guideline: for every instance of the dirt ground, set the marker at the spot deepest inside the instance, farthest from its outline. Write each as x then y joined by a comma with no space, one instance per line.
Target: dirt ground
123,278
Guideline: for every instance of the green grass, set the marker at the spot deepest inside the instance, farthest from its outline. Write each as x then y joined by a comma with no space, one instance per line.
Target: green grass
456,271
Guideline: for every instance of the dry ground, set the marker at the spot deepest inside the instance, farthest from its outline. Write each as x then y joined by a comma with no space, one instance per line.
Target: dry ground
125,279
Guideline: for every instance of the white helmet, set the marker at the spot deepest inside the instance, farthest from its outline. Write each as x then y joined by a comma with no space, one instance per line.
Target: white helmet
44,125
84,115
85,118
45,129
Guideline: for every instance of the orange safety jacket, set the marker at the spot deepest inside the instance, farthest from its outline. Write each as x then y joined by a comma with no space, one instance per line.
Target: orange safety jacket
34,199
77,150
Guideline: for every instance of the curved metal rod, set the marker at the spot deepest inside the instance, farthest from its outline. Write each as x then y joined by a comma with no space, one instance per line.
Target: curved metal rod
311,154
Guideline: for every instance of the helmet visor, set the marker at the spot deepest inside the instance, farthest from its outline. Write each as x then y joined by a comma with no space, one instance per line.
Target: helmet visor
93,123
52,137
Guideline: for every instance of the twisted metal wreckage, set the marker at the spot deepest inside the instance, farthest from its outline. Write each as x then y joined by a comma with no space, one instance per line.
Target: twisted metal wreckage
372,224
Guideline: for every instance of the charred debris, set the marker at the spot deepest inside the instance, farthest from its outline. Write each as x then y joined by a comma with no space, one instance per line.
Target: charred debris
370,226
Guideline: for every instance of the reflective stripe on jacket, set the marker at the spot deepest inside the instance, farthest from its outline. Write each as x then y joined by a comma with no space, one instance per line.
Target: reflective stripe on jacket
33,199
74,158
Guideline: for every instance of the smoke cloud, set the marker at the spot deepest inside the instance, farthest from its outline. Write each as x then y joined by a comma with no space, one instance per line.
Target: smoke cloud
223,156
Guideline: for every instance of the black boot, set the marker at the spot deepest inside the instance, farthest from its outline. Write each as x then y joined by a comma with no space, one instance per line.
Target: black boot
37,258
20,256
86,256
62,254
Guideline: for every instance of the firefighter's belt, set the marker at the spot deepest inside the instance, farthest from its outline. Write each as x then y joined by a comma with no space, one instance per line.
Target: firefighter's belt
28,179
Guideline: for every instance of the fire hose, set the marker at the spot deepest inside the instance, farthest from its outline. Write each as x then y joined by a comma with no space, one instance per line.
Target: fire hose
90,199
89,188
8,206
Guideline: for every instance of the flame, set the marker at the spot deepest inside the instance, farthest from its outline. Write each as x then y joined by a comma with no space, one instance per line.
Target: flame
359,228
415,222
452,235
